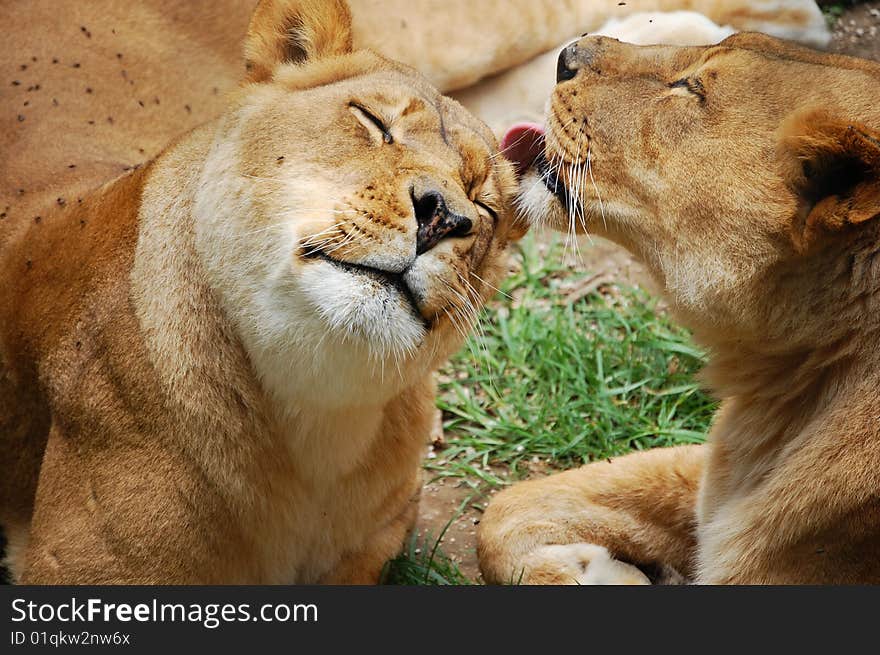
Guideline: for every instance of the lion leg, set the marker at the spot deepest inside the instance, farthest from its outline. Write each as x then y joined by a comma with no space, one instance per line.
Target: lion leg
598,523
122,515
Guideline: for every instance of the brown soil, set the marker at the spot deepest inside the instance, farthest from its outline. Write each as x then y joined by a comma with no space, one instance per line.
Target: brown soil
857,33
441,500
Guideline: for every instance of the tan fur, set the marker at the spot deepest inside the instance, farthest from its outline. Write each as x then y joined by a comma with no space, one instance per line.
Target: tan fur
757,208
114,82
458,42
271,40
188,394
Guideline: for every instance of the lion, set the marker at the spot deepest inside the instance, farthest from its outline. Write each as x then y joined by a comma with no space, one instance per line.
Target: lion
217,368
519,95
746,176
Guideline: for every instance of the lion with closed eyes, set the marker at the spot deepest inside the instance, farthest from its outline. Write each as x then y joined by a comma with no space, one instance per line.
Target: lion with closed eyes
217,368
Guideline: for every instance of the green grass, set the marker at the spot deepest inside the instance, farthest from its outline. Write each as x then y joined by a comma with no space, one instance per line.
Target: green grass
567,383
423,563
834,9
560,383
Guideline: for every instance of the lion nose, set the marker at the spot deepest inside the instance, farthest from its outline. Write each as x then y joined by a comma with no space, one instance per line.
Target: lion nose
436,221
584,53
564,70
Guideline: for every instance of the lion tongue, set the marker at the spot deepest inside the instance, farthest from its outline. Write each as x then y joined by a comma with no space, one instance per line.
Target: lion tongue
522,143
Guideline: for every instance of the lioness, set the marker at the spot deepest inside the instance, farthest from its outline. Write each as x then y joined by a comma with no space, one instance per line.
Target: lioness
217,367
747,177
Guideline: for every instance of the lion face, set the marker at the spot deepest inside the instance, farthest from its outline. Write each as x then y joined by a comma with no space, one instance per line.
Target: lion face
699,159
353,218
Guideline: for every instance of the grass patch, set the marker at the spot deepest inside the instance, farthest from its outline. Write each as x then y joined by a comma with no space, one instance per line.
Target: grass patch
566,383
423,563
834,9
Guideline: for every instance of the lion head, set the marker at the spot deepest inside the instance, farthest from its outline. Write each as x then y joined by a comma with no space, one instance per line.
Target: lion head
351,217
740,173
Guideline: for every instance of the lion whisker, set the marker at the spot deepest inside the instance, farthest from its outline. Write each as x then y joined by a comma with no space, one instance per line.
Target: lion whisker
596,186
491,286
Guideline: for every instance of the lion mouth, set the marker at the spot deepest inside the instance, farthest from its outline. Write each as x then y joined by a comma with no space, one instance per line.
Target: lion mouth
553,182
524,145
387,279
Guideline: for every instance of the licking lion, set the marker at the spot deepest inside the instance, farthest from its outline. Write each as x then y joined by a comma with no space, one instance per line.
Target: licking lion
746,176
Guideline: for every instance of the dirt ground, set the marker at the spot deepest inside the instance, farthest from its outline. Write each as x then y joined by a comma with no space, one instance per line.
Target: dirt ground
856,33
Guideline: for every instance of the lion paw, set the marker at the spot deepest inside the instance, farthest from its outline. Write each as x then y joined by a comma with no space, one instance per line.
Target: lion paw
581,563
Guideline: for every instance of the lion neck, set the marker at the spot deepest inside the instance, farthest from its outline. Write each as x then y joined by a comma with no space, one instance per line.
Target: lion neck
810,344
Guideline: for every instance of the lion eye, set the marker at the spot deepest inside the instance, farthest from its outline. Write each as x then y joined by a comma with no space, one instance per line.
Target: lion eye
690,84
372,122
488,210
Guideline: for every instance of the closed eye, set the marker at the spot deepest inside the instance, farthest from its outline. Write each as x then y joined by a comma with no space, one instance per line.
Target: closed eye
372,122
690,84
486,208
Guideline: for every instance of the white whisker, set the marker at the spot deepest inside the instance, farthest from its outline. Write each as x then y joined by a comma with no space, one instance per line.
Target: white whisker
595,186
506,295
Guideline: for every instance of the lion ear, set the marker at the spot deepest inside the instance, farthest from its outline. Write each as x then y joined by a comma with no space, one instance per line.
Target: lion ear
833,167
295,32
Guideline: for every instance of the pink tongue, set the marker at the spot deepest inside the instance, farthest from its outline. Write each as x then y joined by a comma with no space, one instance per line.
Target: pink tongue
522,143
